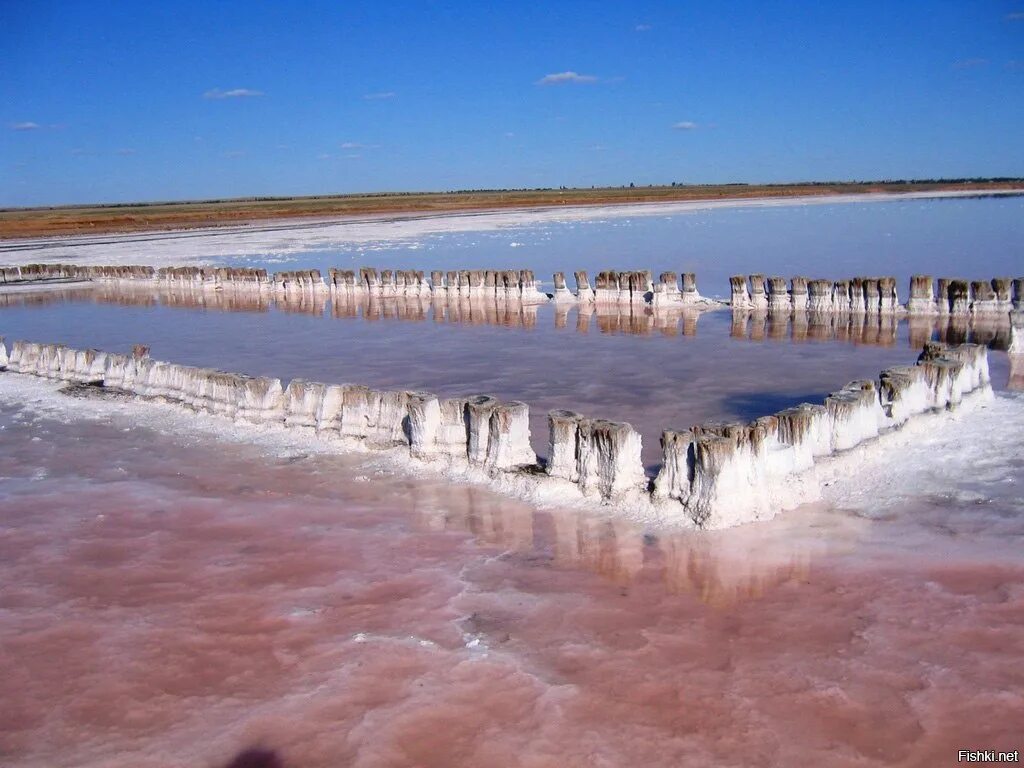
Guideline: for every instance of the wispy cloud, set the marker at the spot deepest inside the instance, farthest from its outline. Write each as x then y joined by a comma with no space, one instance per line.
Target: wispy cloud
357,145
379,96
324,156
234,93
28,125
126,151
562,78
969,63
685,125
1015,16
643,28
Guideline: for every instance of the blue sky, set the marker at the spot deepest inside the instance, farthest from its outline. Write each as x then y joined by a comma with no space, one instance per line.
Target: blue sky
117,101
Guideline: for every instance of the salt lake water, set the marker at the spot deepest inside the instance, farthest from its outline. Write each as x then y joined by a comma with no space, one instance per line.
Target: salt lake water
171,594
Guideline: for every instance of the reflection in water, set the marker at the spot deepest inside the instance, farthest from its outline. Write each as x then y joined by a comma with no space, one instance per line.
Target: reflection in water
875,330
717,568
858,329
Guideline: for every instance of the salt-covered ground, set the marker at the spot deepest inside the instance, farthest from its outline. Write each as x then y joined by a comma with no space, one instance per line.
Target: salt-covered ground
173,595
271,242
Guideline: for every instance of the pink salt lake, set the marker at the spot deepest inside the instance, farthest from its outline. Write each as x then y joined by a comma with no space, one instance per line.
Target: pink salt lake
172,598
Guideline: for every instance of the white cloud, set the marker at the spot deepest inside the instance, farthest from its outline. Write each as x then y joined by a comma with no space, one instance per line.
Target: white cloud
1015,16
352,145
324,156
643,28
560,78
685,125
352,157
234,93
28,125
125,151
379,96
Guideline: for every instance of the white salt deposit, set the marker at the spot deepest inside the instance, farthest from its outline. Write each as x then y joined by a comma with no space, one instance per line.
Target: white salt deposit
731,473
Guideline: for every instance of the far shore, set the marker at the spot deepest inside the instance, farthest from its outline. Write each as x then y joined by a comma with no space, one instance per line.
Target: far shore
63,221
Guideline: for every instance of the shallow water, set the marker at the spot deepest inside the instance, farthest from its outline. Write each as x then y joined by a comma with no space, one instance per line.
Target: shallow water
945,237
171,594
171,598
656,372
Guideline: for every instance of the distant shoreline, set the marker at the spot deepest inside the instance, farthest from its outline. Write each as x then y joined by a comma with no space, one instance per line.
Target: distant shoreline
282,238
299,211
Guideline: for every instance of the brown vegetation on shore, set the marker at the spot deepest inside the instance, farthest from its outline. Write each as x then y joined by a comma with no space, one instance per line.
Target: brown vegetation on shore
134,217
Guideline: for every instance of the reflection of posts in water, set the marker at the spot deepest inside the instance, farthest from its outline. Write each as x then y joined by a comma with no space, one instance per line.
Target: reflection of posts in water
445,308
920,329
583,314
876,329
301,302
759,325
888,328
561,315
613,548
724,570
717,569
990,330
181,294
490,518
740,323
820,326
38,298
641,320
667,323
777,326
412,309
800,326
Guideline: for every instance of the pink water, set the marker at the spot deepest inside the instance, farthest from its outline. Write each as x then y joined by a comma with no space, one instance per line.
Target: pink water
169,599
172,598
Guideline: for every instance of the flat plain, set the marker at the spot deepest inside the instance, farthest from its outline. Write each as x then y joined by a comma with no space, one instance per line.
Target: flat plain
136,217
